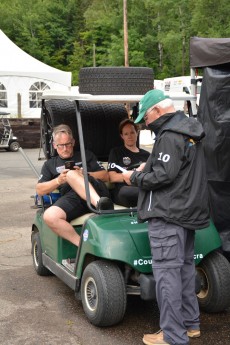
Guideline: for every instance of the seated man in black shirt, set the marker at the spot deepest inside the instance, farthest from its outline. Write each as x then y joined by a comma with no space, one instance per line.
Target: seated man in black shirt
70,183
125,156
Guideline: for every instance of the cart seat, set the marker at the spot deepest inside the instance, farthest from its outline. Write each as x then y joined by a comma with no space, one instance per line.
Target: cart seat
82,219
48,200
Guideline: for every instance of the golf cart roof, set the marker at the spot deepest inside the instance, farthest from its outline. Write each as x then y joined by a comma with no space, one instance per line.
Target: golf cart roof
73,96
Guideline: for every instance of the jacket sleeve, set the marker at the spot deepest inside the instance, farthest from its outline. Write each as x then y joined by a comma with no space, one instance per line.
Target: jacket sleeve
164,164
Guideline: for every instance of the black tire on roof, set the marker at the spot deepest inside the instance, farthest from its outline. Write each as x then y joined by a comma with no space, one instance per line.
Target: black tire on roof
115,80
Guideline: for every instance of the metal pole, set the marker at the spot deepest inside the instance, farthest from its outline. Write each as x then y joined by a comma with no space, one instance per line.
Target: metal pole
193,91
83,156
126,47
19,98
29,162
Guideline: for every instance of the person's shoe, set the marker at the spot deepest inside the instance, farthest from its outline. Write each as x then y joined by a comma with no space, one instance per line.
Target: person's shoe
154,339
193,333
105,203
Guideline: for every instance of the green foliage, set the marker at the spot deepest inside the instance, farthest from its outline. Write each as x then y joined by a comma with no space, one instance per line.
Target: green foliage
210,18
76,61
70,34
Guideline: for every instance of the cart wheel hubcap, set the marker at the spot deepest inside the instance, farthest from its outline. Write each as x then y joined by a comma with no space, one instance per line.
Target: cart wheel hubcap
91,295
36,254
204,283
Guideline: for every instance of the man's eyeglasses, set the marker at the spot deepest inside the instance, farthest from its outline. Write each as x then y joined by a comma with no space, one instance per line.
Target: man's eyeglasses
149,111
61,146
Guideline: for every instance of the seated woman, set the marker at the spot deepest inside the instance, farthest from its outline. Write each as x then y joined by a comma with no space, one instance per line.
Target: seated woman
125,156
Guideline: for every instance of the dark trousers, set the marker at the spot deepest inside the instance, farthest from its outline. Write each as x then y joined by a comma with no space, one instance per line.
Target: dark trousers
126,196
173,265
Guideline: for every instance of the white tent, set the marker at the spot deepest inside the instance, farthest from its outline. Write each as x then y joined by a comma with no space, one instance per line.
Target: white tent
23,78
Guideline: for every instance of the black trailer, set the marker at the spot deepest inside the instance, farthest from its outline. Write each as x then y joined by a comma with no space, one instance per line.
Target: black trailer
213,56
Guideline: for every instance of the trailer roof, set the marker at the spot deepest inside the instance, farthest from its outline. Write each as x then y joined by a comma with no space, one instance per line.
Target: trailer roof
206,52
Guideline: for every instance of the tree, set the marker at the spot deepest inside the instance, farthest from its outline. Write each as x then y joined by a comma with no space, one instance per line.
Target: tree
210,18
63,33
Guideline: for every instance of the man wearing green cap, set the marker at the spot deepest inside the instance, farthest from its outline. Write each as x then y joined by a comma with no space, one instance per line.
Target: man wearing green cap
173,199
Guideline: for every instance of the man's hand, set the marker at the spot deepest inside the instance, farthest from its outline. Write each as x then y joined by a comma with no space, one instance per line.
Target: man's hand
141,167
62,177
79,170
126,176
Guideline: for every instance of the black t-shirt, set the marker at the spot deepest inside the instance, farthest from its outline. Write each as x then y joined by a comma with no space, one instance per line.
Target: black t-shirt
54,166
125,158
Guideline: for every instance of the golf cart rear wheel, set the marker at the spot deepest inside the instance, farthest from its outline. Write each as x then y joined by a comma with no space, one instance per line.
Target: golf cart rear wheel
115,80
103,293
214,273
37,255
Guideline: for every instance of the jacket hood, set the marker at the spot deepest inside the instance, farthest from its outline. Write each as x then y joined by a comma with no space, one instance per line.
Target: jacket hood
179,123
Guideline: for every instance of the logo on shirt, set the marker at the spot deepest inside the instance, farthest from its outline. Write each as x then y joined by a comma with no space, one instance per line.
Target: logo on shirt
126,160
100,165
60,169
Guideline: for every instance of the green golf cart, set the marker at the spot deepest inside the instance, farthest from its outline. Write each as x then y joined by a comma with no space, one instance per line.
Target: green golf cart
113,260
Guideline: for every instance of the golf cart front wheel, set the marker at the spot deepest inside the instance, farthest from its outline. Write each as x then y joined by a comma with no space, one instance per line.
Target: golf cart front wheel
103,293
37,255
14,146
214,274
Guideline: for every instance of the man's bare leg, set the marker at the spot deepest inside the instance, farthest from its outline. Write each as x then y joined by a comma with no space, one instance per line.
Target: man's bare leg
55,218
76,180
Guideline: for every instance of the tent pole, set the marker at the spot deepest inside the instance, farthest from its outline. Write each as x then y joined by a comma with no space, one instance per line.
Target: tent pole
19,105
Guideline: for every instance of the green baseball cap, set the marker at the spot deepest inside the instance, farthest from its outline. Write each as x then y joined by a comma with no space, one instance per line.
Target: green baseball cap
151,98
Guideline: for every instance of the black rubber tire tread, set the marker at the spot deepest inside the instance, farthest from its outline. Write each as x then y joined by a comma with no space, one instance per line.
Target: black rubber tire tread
111,296
37,255
115,80
100,124
217,270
